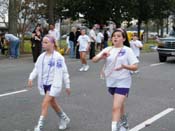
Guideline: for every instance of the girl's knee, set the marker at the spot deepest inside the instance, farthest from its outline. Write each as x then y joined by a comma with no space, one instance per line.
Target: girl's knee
116,109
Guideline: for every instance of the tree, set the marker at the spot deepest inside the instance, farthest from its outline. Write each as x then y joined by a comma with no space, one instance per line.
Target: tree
12,17
3,11
161,11
29,13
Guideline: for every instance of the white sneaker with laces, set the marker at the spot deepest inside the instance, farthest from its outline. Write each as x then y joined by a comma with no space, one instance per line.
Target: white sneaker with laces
86,68
64,121
82,68
37,129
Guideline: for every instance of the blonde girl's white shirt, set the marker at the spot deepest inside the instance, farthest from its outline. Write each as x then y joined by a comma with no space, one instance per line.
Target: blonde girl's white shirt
120,78
48,70
83,42
58,74
133,45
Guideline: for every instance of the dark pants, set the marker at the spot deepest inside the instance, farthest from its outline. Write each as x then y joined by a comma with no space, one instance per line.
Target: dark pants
92,50
77,52
36,51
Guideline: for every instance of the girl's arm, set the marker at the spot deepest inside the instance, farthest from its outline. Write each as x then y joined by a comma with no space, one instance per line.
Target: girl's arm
32,76
133,67
103,55
66,75
66,78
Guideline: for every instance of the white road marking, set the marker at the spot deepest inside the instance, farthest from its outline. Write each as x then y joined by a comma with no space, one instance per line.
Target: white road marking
156,64
151,120
12,93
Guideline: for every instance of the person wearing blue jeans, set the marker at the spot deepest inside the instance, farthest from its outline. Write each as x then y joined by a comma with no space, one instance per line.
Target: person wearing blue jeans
13,43
72,37
14,48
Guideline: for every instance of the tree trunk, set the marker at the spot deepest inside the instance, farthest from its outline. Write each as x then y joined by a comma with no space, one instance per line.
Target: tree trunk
12,17
146,32
51,11
139,27
161,26
167,28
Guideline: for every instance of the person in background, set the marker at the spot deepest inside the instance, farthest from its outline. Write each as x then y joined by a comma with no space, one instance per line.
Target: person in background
13,42
68,44
78,33
72,38
92,36
51,70
99,40
54,32
84,45
119,61
36,42
106,38
136,45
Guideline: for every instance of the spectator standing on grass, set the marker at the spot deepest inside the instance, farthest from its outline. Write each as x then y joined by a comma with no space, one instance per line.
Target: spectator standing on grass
72,38
13,42
92,36
36,42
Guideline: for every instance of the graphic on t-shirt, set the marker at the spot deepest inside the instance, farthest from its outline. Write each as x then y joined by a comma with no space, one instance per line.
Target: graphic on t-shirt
59,63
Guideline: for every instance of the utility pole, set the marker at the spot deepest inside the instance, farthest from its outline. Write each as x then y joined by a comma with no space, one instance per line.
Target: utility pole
12,15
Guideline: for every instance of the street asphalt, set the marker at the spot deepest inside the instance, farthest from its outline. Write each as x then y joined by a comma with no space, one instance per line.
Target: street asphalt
89,106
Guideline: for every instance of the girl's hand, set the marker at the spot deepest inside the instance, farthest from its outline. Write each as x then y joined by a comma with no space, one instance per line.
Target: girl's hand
30,83
68,91
105,55
120,68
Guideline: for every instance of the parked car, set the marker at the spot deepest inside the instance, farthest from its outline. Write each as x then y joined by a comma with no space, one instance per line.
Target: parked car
166,48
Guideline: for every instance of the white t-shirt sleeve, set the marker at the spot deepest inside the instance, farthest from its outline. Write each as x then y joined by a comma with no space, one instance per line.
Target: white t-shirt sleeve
132,59
78,40
140,44
88,39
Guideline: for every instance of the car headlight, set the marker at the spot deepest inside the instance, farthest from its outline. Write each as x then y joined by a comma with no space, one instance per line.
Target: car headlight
161,44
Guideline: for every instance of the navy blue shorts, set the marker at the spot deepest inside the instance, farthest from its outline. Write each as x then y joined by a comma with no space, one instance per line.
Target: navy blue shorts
121,91
46,88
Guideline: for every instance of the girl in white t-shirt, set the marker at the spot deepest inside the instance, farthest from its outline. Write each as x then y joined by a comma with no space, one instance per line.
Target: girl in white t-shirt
119,61
136,45
84,45
51,70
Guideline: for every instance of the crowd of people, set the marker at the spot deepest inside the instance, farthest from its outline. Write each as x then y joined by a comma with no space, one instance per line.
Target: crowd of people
50,68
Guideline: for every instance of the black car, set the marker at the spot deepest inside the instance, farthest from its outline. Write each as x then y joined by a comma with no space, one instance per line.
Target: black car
166,48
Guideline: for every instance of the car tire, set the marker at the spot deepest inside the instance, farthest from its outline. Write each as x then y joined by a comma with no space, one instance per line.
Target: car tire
162,58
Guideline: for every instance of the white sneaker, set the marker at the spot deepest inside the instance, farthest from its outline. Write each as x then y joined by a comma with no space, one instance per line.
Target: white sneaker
123,129
64,121
82,68
37,129
86,68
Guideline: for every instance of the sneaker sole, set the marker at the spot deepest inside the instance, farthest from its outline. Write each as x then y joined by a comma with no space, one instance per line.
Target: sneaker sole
67,125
